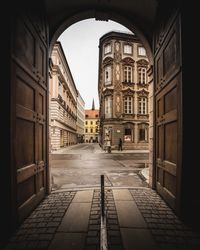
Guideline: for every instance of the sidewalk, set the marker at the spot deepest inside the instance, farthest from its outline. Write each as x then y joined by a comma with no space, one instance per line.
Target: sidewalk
137,218
97,150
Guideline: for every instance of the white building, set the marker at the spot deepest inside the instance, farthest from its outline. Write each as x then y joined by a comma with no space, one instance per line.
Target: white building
80,118
63,102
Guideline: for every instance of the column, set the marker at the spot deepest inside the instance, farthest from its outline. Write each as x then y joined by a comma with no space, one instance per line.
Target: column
136,133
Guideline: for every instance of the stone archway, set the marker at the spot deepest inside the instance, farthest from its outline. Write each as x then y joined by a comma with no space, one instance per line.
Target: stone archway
102,16
166,32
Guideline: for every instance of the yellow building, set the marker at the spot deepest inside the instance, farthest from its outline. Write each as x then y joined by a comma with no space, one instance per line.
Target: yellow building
91,128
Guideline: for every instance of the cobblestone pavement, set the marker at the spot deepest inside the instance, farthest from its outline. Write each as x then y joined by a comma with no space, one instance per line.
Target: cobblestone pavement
169,233
39,228
113,230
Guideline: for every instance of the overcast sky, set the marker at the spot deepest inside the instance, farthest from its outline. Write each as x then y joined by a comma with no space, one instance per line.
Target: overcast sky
80,44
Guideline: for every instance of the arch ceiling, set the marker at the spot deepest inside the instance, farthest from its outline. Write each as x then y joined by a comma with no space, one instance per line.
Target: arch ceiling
142,13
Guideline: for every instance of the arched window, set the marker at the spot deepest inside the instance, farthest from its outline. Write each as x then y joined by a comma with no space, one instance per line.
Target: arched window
127,74
142,73
128,104
142,105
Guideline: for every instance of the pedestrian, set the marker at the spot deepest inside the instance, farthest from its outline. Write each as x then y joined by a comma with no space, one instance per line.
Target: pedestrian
120,145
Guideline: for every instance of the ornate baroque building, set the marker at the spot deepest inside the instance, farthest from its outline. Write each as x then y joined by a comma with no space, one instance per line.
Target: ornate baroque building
123,90
92,124
63,101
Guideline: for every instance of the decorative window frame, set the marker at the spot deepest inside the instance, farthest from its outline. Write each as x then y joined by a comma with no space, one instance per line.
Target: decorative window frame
142,63
126,70
107,62
108,95
128,62
143,94
132,106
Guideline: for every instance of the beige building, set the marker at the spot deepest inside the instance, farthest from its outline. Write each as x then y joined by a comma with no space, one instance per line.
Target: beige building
123,91
63,101
80,118
91,124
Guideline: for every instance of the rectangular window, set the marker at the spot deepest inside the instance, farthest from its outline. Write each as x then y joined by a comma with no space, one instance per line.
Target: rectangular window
142,106
91,122
86,123
127,49
108,107
91,130
127,74
141,51
127,135
142,134
107,49
128,105
142,79
60,88
107,75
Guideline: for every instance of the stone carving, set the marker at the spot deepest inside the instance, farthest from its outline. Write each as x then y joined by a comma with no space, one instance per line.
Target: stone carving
128,60
117,46
143,92
128,91
117,71
142,63
107,60
118,103
117,52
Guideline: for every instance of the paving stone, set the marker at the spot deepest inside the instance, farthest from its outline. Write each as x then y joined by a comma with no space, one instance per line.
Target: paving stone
93,240
76,218
129,215
166,221
137,239
83,196
68,241
92,233
122,195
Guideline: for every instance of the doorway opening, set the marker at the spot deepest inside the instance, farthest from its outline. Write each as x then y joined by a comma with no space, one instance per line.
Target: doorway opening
119,61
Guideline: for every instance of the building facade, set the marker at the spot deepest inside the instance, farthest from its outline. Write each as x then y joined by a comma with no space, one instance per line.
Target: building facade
63,101
91,125
123,91
80,118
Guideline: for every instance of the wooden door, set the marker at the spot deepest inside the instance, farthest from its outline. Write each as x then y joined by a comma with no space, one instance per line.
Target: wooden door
168,86
29,112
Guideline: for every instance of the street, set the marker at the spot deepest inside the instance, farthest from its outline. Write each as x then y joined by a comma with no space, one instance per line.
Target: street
80,166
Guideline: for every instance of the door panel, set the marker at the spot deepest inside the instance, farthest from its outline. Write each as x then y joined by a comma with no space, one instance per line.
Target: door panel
29,79
168,103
